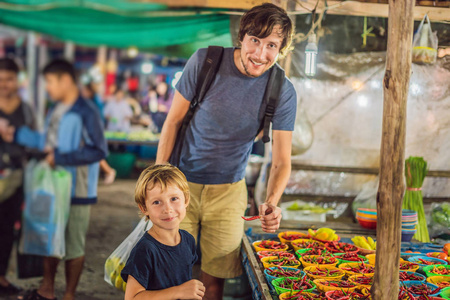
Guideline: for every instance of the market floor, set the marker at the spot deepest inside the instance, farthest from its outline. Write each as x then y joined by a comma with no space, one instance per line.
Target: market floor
112,219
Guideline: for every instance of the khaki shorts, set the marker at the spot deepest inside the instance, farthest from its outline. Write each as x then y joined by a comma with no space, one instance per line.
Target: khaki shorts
216,211
76,230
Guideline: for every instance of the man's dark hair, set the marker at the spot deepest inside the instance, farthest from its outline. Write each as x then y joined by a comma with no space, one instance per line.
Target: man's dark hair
8,64
260,20
60,66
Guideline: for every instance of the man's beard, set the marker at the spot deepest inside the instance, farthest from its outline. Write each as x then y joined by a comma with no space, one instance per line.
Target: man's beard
247,72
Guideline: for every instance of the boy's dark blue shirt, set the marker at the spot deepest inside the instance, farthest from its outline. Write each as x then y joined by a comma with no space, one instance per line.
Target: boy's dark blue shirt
157,266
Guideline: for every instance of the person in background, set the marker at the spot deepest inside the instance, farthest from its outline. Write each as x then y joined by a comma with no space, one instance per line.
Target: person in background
160,103
219,138
89,92
73,138
157,103
13,113
118,112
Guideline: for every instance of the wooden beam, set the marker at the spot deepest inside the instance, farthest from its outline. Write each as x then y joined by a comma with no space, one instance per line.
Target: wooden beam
367,9
356,170
229,4
392,156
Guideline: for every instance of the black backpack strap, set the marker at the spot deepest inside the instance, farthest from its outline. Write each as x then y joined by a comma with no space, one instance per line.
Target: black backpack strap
271,100
204,80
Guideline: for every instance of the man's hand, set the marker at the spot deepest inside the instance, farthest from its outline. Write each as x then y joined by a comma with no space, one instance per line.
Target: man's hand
50,158
270,217
192,289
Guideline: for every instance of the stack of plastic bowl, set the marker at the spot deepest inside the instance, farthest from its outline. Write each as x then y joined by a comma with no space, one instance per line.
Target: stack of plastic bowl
367,217
409,222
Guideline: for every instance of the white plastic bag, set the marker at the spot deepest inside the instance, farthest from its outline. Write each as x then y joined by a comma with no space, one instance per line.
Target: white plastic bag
116,261
367,198
47,205
425,44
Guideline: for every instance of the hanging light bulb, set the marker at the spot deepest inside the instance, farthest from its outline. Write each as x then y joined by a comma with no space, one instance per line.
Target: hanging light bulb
310,55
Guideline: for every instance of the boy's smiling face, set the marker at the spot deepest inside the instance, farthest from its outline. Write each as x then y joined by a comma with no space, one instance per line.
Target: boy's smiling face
166,209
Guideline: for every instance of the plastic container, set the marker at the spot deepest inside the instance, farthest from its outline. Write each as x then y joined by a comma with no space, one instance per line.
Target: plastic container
429,270
445,293
341,261
369,211
266,253
270,277
407,236
438,280
281,236
367,224
308,264
412,267
297,244
435,261
408,284
320,283
257,248
123,163
267,264
286,295
300,252
310,269
352,265
353,279
423,277
276,284
339,248
148,152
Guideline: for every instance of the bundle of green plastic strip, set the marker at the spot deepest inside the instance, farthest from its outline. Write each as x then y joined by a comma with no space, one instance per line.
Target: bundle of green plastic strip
415,172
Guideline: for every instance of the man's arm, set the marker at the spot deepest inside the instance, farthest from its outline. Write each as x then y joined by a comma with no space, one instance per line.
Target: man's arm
178,110
192,289
279,176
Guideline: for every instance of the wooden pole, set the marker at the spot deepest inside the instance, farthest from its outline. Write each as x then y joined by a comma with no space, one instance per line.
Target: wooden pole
391,188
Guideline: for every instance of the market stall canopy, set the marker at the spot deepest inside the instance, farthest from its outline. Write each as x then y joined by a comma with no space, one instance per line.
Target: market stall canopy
120,23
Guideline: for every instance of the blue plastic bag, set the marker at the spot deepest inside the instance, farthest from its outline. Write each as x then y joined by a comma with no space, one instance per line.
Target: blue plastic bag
47,205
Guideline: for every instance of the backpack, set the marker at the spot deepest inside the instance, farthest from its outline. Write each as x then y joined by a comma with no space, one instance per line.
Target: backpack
205,78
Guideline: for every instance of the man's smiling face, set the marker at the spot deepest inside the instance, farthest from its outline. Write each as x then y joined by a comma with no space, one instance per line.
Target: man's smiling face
257,55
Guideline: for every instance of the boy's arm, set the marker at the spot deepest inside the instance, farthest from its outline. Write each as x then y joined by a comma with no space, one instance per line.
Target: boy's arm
192,289
27,137
89,153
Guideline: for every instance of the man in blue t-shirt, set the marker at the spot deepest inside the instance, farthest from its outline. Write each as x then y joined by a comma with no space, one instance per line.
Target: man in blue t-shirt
220,136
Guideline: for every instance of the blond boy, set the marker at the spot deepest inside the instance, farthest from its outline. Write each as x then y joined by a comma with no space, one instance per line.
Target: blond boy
160,265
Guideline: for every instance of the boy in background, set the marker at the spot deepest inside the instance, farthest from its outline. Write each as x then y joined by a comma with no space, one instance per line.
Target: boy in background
73,138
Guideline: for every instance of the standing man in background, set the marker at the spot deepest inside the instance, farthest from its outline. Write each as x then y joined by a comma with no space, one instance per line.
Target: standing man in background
74,139
220,136
13,113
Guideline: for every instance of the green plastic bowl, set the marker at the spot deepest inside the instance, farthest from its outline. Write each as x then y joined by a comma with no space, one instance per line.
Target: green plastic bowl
445,293
280,290
427,270
341,261
300,252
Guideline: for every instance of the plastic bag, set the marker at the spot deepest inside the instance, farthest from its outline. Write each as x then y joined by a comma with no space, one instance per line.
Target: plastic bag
425,44
47,206
116,261
439,221
367,198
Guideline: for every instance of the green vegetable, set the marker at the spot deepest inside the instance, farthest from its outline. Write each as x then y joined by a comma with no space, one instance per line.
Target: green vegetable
415,172
311,208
